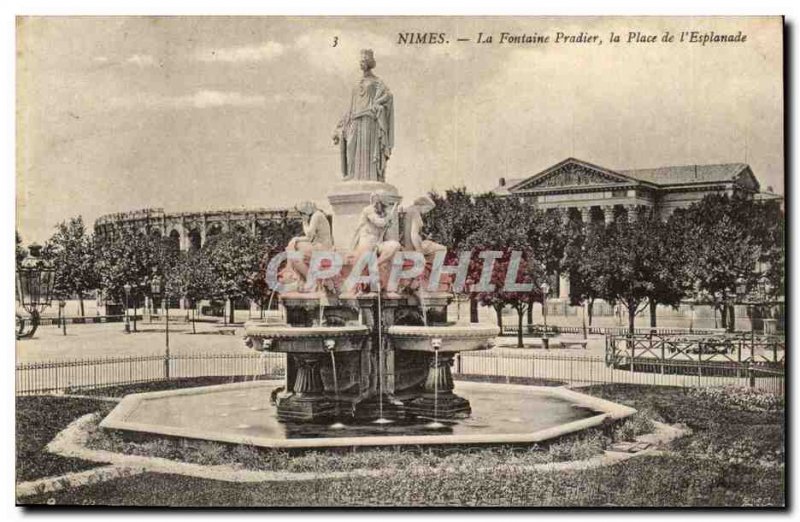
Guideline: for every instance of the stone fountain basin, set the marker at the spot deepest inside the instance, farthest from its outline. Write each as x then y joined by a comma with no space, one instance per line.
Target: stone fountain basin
307,339
455,338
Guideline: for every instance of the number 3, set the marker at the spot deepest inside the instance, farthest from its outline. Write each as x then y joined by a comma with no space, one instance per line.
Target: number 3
335,41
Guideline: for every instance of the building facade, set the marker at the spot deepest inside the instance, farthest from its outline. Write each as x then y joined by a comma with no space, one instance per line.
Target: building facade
591,193
598,193
190,230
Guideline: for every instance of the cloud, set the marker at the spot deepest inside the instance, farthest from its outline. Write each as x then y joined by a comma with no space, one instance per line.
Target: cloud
298,97
251,53
100,59
202,99
142,60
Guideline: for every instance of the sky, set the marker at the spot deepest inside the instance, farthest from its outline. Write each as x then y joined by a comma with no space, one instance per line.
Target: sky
201,113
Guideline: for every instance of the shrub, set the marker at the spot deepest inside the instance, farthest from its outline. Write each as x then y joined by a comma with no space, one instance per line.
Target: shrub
739,398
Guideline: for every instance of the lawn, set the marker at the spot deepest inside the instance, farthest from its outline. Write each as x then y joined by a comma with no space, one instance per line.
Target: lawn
735,457
38,420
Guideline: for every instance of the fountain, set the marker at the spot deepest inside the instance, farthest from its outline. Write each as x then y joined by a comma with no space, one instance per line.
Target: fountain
366,363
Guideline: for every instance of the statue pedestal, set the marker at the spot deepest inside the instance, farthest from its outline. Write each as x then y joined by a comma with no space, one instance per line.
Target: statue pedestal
348,199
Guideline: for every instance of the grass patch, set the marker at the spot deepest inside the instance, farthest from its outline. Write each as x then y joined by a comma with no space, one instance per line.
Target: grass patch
578,446
659,481
734,457
38,420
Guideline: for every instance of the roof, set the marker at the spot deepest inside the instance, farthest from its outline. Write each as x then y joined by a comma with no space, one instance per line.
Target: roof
679,175
510,182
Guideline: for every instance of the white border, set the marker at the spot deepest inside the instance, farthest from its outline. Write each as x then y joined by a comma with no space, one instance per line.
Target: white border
790,8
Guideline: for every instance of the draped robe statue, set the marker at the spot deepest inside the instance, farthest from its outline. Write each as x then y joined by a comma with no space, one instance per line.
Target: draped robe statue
365,133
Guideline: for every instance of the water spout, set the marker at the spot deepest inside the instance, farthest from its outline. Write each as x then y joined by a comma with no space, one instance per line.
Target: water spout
436,344
422,308
381,419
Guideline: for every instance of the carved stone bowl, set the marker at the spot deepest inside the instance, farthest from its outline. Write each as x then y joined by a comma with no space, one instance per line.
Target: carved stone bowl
312,339
445,339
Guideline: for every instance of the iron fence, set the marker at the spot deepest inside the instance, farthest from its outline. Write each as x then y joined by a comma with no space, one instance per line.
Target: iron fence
739,349
573,370
538,330
81,374
581,370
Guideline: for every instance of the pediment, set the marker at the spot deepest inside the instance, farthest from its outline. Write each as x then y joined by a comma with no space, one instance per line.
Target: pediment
747,179
572,173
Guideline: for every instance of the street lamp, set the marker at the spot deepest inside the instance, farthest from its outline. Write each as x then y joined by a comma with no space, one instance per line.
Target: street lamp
155,289
61,305
741,294
35,278
127,289
545,288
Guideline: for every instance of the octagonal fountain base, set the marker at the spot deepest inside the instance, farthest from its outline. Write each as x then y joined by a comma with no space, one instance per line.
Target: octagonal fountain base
242,414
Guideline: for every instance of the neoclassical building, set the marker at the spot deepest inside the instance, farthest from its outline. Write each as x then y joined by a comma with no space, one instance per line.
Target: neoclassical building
190,229
593,193
598,193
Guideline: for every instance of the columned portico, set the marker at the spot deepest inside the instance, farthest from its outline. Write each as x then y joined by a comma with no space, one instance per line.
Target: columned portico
608,214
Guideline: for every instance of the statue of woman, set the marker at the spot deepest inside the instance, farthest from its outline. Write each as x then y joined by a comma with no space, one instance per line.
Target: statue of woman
365,134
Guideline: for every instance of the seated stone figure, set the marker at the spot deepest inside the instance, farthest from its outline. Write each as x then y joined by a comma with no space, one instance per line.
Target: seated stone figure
414,240
373,237
412,231
316,236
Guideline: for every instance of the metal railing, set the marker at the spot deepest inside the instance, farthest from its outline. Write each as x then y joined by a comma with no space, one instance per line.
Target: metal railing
631,350
538,330
80,374
580,370
76,375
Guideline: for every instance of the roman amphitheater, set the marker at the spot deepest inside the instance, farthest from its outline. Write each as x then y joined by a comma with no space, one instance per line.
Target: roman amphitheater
191,229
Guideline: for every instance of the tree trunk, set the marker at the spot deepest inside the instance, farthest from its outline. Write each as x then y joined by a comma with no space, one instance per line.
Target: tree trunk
732,318
519,325
530,316
473,309
631,316
651,304
723,314
231,309
499,311
80,300
589,310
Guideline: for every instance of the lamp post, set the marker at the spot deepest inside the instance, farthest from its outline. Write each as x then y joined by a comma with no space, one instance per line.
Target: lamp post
61,305
156,289
35,278
741,294
127,289
545,288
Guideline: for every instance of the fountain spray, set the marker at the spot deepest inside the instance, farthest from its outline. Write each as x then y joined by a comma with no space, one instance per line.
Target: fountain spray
436,343
381,419
330,344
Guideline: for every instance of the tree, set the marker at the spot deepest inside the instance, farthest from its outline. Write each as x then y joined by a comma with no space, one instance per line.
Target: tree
72,251
583,276
190,277
508,225
626,260
529,272
129,257
731,239
452,222
234,259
